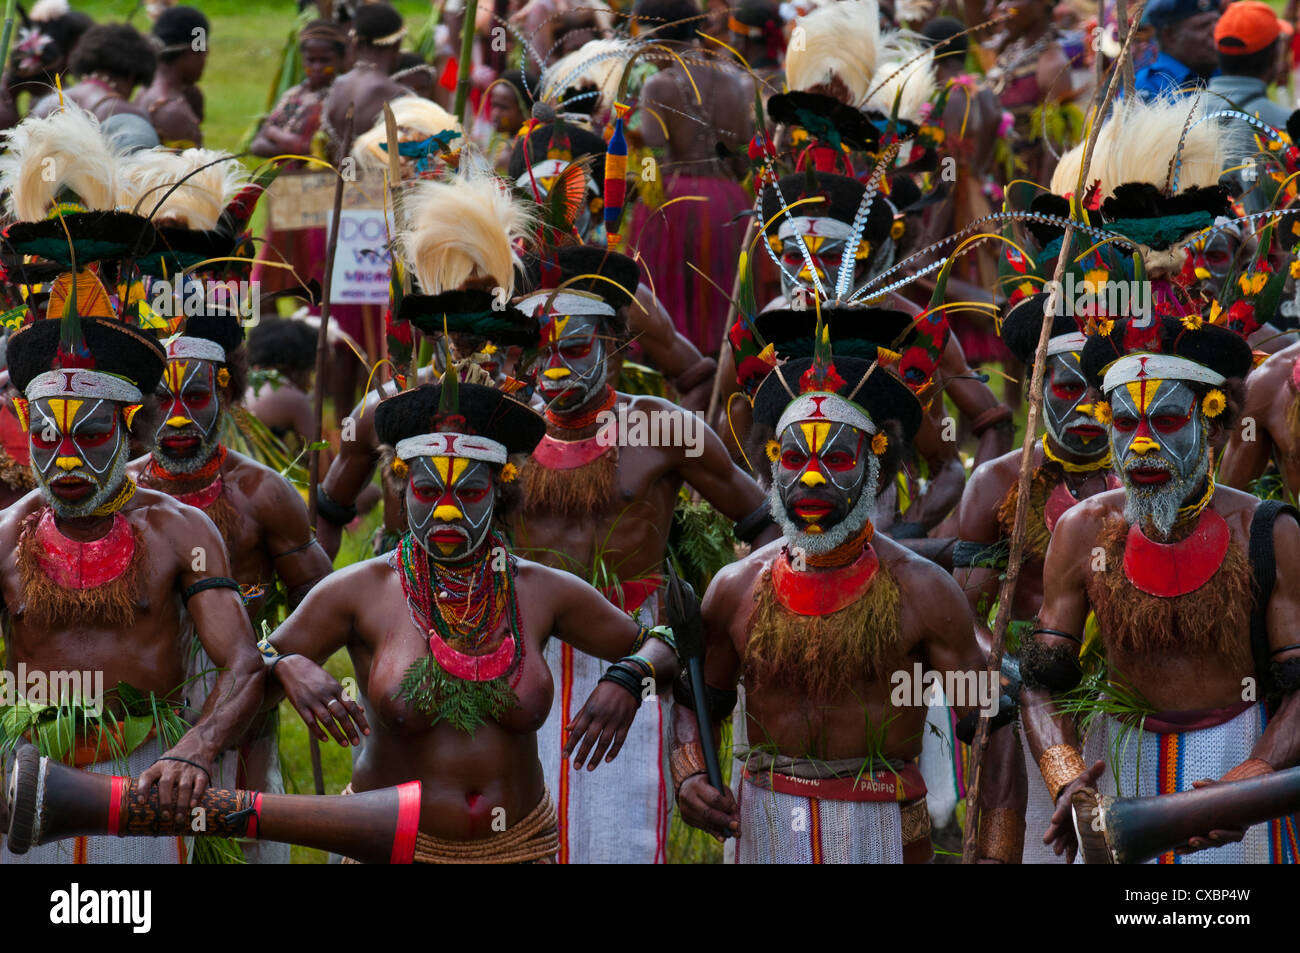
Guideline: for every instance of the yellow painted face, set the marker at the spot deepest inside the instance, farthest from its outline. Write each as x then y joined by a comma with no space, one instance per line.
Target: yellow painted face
449,504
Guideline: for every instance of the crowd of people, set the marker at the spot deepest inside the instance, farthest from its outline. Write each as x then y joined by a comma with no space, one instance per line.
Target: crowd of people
862,431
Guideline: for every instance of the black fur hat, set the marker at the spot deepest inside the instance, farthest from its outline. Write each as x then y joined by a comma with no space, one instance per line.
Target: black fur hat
1023,323
1217,348
582,142
558,265
469,312
90,236
115,347
484,411
882,395
819,115
854,332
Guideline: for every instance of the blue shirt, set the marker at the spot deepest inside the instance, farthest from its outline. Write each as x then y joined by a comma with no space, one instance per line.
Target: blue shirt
1166,75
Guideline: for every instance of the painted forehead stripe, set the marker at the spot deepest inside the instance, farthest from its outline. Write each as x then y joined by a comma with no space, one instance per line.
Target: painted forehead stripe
547,169
1142,367
180,347
829,407
826,227
471,447
564,302
83,383
1065,343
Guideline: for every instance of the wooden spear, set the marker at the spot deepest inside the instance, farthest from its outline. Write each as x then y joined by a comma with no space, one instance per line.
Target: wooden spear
1008,589
322,353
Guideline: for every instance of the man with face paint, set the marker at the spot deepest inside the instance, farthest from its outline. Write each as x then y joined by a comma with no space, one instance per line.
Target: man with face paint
819,625
1071,463
598,501
821,220
1270,426
99,574
1163,564
448,634
535,165
261,517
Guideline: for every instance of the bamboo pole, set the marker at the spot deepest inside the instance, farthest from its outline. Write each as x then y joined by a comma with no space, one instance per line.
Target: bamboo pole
465,64
318,401
1007,591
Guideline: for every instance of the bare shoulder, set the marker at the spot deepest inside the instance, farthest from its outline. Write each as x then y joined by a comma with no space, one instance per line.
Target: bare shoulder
918,579
733,586
12,517
1086,517
259,482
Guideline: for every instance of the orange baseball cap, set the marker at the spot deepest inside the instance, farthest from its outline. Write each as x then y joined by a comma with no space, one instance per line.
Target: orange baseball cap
1248,26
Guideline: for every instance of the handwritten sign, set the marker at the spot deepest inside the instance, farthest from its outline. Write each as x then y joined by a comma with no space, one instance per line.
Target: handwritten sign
363,259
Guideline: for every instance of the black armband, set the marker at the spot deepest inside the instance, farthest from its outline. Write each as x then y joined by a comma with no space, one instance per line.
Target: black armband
215,582
1051,667
296,549
336,513
1008,707
906,531
720,703
999,414
970,555
1285,676
621,674
748,527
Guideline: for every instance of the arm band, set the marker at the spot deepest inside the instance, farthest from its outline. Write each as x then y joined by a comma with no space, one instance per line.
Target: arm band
990,418
623,676
719,703
971,555
336,513
1065,635
215,582
748,527
297,549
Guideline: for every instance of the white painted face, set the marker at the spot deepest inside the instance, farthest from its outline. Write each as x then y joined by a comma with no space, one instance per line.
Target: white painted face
79,448
449,505
823,483
1160,442
1063,393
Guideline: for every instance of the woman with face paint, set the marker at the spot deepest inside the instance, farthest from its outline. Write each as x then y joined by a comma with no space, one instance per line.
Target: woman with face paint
1163,564
448,633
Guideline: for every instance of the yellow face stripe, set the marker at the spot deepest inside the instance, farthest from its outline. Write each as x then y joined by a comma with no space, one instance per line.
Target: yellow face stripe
174,375
814,242
448,470
65,412
1143,393
815,434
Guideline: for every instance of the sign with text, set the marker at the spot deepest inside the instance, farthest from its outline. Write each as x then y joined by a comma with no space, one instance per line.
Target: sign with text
363,259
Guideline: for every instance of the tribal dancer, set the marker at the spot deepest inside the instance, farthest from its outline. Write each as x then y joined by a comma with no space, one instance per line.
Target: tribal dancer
1207,672
815,624
599,494
99,574
538,162
1071,463
458,237
448,635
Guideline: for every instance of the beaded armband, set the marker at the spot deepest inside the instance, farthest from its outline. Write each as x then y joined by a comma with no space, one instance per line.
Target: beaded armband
1060,764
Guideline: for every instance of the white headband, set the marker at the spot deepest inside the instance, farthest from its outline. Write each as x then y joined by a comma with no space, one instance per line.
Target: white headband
547,169
1139,367
1074,341
468,446
565,302
80,382
825,226
181,346
828,407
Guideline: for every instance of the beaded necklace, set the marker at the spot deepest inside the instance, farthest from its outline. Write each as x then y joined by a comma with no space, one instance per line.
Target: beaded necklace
585,419
447,684
117,502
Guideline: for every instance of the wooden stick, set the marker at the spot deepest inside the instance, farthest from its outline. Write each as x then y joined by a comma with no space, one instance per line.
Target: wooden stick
1125,66
1021,524
318,402
8,34
465,64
